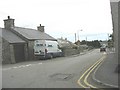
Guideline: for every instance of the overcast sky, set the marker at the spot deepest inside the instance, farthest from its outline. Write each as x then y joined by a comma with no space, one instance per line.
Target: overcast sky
61,18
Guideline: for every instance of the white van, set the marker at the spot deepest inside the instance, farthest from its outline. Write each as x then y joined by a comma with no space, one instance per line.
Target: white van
47,48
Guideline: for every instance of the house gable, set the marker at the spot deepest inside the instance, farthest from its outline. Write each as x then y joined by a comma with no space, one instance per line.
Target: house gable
10,37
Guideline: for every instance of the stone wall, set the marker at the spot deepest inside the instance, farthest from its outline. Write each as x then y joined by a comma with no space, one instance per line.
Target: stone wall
74,51
115,9
5,52
30,50
70,51
119,34
1,49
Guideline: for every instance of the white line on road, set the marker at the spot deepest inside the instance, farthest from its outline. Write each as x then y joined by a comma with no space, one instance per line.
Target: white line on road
105,53
21,66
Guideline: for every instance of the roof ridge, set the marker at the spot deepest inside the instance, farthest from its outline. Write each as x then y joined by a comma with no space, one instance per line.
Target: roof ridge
25,28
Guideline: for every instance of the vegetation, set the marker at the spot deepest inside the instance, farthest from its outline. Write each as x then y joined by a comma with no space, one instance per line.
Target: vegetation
110,41
95,43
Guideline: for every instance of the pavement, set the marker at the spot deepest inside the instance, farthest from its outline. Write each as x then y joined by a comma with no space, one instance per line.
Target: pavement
106,74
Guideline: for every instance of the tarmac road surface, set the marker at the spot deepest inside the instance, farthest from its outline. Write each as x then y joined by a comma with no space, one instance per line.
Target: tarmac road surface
63,72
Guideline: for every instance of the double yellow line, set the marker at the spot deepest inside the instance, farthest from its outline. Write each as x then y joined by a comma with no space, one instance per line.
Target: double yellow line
82,81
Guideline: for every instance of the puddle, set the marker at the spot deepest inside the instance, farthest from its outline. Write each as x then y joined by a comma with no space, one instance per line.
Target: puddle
61,76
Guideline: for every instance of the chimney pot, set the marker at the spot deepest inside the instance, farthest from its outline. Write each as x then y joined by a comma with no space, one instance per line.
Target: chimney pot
8,17
8,23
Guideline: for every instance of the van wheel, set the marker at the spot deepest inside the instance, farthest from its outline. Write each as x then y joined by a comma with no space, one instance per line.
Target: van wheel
51,56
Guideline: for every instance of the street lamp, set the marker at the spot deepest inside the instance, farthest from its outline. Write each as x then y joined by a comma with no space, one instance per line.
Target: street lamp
78,33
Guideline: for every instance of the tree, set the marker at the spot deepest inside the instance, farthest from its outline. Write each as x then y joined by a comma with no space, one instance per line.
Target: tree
110,41
95,43
78,42
112,37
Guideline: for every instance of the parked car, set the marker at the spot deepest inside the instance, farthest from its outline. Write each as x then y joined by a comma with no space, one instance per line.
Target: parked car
102,49
47,49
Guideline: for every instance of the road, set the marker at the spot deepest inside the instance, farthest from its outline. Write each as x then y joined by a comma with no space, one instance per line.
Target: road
63,72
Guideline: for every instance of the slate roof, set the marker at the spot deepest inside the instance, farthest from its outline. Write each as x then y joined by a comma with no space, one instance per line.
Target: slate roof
33,34
10,37
114,0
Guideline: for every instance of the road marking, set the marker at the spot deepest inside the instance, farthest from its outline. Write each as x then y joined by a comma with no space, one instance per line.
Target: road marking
88,71
84,75
111,52
21,66
39,63
85,80
105,53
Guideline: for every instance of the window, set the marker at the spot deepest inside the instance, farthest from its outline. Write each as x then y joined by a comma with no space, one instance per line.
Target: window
36,41
39,45
50,45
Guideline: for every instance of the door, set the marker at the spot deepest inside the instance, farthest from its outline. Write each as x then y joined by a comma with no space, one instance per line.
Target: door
19,52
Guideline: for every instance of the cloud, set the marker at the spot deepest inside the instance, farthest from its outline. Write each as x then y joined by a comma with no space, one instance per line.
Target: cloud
66,16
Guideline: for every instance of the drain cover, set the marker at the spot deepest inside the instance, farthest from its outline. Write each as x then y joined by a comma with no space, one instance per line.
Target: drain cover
61,76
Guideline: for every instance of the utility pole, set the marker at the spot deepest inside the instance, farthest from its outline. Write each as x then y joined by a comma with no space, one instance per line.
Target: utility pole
78,33
86,40
75,37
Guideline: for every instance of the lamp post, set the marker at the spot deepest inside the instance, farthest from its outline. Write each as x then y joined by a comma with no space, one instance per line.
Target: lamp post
77,35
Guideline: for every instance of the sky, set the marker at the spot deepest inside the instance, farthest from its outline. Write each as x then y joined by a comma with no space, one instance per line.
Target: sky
89,19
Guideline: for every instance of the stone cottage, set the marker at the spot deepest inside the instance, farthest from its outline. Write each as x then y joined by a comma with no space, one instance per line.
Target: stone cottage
18,42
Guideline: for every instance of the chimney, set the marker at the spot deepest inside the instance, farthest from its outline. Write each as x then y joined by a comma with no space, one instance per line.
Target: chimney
41,28
8,23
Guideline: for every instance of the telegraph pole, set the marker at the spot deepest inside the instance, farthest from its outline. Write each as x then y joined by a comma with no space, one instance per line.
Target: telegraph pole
75,37
86,40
